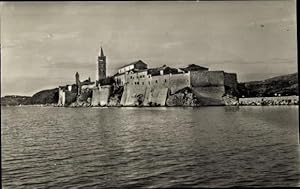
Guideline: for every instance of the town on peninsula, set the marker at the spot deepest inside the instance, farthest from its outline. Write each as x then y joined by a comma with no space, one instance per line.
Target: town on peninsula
137,84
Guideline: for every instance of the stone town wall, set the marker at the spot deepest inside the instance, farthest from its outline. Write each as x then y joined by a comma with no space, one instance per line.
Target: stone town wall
124,96
179,81
231,84
210,86
100,97
230,79
136,88
95,97
211,95
207,78
61,97
143,89
210,92
105,92
133,95
158,96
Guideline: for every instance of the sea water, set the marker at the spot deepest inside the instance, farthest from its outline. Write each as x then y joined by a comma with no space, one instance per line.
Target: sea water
51,147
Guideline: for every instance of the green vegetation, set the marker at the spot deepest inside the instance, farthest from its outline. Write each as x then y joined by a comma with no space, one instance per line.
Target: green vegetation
14,100
43,97
285,85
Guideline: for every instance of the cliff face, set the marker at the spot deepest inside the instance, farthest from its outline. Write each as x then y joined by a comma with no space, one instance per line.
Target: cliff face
285,85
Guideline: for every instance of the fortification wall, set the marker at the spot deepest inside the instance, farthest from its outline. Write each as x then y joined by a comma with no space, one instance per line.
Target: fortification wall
231,84
133,95
124,96
207,78
179,81
153,90
158,96
61,97
147,90
144,95
105,92
210,92
159,81
210,95
100,97
230,79
96,97
174,82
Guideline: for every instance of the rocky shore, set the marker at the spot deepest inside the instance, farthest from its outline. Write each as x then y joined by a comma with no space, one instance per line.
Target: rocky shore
187,99
269,101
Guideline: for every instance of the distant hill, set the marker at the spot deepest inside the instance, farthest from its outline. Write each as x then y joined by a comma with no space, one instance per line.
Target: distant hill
49,96
43,97
14,100
284,85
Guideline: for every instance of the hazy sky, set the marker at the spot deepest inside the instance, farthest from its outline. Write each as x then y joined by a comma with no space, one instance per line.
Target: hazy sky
44,44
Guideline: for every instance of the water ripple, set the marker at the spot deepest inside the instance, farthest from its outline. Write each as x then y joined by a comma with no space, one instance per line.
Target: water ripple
149,148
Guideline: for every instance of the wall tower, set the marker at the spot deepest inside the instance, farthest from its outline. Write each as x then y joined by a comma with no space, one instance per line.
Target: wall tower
101,65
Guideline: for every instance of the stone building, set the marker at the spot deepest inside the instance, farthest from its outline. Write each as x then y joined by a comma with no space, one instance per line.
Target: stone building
120,76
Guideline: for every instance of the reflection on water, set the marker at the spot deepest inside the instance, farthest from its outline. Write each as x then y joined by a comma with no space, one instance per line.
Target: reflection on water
149,147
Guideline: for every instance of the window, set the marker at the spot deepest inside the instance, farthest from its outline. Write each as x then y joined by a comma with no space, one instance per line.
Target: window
142,83
165,81
149,82
137,83
155,81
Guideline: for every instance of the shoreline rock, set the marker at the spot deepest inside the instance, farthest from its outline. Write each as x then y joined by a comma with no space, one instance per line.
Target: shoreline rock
269,101
186,99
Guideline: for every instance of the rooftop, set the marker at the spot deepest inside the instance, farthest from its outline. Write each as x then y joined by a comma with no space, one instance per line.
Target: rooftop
139,61
194,67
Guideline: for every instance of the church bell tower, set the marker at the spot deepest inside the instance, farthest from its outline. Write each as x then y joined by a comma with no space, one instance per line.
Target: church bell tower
77,79
101,65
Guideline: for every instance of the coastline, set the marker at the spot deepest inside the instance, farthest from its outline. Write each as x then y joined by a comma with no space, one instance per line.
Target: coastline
269,101
251,101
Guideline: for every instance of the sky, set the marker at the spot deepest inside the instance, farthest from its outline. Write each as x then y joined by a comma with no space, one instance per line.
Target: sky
43,44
